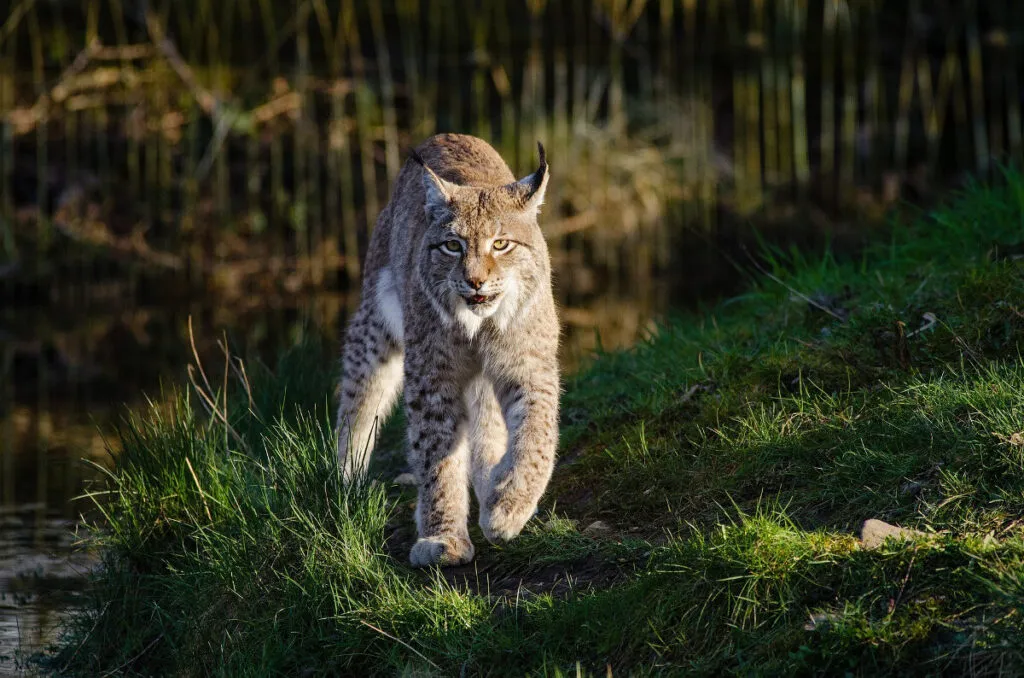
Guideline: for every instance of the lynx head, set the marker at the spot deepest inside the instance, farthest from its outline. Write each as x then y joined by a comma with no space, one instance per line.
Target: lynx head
483,252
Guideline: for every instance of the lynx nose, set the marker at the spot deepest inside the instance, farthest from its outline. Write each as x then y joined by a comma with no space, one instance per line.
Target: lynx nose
475,283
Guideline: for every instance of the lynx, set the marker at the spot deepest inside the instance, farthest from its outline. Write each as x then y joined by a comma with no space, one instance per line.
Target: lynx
457,306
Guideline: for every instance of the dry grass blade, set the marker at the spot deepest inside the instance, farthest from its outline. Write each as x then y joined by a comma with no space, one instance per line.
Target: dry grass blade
202,494
223,343
214,410
208,395
195,354
238,367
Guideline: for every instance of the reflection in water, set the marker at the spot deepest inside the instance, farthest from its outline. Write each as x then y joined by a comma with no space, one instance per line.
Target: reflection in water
41,573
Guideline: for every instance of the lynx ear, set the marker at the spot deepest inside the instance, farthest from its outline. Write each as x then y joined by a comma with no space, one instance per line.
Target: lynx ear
529,191
438,192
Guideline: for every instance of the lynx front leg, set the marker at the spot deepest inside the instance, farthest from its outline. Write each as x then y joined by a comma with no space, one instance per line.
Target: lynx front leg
439,456
372,379
488,436
522,475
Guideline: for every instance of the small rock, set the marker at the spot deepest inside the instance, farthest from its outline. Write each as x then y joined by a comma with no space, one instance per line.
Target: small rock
874,533
405,479
597,529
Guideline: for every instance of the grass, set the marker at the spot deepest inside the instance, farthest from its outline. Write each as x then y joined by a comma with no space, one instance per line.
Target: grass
731,458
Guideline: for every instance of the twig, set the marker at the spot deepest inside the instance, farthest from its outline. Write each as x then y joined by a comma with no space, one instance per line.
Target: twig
134,245
34,115
202,495
124,53
281,105
82,60
204,97
400,641
801,295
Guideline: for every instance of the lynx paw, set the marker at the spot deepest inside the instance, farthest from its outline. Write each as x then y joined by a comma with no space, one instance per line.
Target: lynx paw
444,550
505,520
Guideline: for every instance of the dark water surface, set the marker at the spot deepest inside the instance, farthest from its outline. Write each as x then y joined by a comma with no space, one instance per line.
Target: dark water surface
225,160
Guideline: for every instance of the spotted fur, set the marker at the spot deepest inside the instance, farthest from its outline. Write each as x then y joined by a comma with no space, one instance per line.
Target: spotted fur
457,307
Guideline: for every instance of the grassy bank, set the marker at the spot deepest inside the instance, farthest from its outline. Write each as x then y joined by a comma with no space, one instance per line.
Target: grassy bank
704,516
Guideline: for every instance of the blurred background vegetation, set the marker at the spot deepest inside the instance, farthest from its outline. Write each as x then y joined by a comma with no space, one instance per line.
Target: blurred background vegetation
226,159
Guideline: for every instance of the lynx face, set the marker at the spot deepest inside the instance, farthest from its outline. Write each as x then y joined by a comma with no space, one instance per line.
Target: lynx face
483,253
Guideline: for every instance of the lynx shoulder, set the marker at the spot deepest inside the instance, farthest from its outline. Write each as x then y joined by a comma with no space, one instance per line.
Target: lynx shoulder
457,309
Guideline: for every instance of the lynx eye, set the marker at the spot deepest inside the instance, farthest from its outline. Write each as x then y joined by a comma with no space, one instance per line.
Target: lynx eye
453,246
500,245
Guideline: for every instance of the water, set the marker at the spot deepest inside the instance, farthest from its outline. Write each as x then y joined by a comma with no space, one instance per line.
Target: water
232,174
43,574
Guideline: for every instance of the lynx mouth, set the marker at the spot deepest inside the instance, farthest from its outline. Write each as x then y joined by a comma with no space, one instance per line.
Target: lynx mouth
479,299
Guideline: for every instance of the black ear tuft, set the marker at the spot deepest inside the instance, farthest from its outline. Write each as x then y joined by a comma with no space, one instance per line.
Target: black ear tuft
528,192
416,157
538,177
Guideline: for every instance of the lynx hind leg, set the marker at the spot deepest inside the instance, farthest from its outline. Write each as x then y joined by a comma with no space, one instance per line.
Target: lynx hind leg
370,384
488,439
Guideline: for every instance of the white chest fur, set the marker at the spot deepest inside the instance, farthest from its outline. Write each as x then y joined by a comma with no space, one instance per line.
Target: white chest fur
389,304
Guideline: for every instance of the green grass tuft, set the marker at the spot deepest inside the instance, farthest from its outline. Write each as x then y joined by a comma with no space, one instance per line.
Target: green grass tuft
731,457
